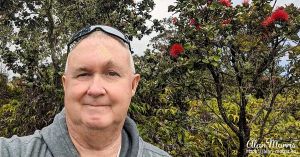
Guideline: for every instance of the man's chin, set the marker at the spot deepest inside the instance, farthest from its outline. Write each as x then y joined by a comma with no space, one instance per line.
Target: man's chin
98,124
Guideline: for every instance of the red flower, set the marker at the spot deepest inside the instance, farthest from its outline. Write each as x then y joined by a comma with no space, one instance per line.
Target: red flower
174,20
226,22
197,25
280,15
192,22
226,3
268,21
245,3
176,49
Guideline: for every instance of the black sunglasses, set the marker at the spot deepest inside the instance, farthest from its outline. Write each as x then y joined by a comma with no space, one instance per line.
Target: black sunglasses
106,29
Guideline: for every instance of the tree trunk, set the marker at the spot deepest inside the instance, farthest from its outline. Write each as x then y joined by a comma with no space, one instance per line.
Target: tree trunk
53,42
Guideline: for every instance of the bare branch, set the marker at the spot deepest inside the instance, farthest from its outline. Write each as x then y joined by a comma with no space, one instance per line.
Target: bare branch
222,110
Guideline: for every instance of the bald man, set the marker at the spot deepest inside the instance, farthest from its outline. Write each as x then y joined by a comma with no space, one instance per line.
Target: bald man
99,82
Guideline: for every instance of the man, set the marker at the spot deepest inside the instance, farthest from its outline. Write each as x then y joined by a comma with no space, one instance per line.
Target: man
99,81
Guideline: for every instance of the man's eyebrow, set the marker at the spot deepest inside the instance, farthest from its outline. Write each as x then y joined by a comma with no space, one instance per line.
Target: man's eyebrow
111,64
81,69
108,64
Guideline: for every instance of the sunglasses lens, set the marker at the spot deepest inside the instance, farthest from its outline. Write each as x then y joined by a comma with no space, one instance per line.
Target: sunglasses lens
115,32
106,29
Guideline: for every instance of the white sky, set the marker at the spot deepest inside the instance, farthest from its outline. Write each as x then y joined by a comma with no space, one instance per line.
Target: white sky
161,10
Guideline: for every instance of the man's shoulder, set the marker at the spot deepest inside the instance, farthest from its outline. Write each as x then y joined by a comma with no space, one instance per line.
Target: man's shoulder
149,150
23,141
15,146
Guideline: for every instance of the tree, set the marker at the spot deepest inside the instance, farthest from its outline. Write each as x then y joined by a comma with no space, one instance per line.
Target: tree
231,54
33,38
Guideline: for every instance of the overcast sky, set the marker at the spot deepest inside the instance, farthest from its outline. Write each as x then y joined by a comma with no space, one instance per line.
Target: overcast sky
161,10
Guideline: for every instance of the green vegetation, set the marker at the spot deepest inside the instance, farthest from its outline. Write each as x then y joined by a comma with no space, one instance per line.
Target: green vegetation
228,91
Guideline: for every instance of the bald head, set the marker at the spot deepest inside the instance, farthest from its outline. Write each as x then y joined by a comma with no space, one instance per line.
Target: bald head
99,35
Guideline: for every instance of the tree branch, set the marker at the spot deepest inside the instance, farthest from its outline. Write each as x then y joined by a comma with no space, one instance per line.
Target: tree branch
218,86
269,110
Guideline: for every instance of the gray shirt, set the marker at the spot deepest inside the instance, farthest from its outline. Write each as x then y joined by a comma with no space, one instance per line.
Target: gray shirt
54,141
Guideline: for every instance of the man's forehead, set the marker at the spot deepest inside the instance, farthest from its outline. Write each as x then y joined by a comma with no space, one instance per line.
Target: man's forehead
86,66
103,37
90,63
108,51
105,47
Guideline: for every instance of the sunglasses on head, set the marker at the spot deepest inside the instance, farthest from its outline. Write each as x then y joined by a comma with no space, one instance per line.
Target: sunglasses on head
106,29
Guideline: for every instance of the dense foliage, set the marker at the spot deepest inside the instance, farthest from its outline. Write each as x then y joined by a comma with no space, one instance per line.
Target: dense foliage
230,85
217,75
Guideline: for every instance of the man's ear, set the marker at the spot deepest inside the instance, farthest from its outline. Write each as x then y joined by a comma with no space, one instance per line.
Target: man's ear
63,80
134,83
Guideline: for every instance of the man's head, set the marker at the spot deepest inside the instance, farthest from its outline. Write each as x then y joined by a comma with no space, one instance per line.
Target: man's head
99,81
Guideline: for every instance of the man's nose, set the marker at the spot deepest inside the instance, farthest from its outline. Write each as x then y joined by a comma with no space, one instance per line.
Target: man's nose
96,87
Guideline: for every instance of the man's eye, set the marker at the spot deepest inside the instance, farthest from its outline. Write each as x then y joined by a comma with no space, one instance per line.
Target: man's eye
83,74
113,73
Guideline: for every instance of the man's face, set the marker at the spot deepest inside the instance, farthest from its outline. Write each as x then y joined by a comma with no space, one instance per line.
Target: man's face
98,83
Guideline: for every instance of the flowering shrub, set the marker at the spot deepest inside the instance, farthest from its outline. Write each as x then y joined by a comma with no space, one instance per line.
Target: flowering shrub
198,26
174,20
278,15
231,59
226,3
226,22
193,22
245,3
268,21
176,49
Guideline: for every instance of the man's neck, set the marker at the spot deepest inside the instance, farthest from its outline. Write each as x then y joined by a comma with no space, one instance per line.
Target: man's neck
90,143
